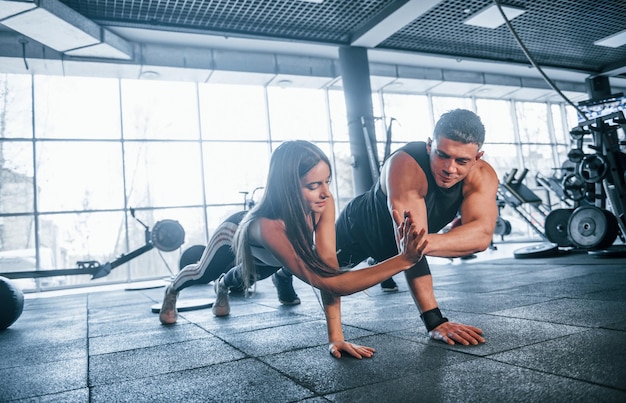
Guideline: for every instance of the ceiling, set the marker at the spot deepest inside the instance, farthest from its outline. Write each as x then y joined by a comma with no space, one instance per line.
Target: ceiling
559,35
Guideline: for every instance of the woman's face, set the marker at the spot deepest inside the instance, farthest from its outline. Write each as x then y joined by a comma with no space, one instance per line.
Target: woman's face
315,187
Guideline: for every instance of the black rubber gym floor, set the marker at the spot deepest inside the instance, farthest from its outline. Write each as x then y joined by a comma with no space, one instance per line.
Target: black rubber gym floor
555,330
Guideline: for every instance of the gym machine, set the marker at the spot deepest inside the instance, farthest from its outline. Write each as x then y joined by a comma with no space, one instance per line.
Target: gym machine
600,178
593,185
166,236
515,194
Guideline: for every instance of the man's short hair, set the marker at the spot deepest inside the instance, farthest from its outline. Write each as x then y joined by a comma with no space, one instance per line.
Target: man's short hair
460,125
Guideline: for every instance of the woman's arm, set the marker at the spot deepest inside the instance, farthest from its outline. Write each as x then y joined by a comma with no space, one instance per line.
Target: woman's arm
412,244
326,245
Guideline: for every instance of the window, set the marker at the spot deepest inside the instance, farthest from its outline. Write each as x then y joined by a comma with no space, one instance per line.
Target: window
189,152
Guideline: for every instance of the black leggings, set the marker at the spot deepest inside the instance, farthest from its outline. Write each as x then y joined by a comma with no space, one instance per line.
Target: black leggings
218,258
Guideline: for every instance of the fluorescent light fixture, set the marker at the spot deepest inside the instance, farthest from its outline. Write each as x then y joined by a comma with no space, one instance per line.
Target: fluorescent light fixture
55,25
9,8
613,41
393,22
490,17
59,27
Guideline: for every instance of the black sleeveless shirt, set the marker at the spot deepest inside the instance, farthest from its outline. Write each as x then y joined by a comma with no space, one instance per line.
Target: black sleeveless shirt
367,217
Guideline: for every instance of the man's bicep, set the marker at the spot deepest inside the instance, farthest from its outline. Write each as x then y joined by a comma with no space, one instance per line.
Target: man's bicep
480,203
406,187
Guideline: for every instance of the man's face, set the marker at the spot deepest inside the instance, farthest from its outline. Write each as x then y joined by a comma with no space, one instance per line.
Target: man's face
451,161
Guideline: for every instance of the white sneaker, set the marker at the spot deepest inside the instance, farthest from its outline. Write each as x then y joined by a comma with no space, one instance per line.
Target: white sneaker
221,306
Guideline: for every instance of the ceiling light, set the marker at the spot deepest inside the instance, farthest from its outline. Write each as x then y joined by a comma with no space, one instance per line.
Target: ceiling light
613,41
490,17
59,27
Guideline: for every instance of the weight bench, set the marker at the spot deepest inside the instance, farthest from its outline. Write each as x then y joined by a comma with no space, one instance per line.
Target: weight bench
516,194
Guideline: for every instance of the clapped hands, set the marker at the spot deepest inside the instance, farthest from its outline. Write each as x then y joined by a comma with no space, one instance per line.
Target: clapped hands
411,241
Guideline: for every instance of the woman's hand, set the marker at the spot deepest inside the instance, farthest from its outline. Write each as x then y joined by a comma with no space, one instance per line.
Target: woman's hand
412,242
335,349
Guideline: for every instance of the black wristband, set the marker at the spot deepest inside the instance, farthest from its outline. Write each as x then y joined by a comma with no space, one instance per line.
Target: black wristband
433,318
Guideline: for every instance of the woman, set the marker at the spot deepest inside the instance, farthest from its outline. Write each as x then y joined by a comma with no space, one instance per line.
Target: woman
217,258
293,226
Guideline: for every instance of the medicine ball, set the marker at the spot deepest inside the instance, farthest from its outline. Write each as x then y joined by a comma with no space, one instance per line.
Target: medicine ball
11,303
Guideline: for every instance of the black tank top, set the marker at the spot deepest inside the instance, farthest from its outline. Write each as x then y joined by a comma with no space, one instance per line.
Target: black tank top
366,217
442,205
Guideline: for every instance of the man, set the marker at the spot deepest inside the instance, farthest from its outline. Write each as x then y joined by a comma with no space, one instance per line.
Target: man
435,181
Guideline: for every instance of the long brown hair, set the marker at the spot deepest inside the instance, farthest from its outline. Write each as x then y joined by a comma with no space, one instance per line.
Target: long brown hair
283,200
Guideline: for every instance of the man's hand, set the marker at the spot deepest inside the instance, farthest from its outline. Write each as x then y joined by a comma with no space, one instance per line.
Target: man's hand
451,333
335,349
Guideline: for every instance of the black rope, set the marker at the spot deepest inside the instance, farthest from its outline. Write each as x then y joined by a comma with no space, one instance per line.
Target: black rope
532,61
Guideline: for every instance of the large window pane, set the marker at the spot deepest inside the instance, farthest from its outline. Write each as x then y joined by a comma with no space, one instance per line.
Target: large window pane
343,174
497,118
338,116
297,113
159,110
232,168
538,158
17,243
442,105
233,112
163,174
79,175
16,106
502,157
411,114
77,107
72,238
16,177
532,119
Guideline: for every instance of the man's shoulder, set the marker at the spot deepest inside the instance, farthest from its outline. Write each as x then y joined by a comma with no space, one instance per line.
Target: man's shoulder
482,173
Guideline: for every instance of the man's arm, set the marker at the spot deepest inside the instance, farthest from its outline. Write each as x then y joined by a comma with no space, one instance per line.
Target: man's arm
479,213
406,185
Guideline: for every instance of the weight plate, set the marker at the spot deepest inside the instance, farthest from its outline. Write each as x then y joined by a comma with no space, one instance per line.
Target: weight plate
555,226
593,168
575,155
167,235
507,227
546,249
591,227
190,255
574,187
612,230
500,226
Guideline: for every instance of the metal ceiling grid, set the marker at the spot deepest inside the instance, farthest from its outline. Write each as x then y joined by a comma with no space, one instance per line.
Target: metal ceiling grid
330,22
556,33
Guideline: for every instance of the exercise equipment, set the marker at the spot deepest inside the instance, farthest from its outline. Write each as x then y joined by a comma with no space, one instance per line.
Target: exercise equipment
556,227
604,169
590,227
11,303
167,235
541,250
516,194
